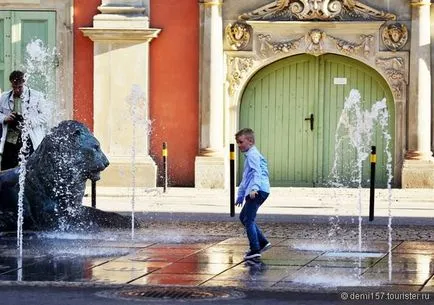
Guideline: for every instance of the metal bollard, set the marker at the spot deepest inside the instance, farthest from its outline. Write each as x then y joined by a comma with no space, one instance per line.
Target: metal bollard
164,167
93,193
232,178
372,190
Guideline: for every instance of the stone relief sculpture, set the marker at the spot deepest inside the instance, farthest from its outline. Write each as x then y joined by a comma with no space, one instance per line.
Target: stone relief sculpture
394,36
237,35
315,42
393,67
238,68
290,10
349,48
277,47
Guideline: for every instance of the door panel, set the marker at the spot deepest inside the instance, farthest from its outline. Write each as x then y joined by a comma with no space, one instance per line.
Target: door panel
279,101
28,27
5,49
275,105
372,88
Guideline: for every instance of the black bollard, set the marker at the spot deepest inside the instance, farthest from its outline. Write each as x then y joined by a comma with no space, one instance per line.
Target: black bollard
93,194
164,167
372,190
232,177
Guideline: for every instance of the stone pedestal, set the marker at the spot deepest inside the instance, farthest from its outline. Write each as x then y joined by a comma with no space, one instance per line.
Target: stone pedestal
418,167
418,174
209,172
121,36
209,165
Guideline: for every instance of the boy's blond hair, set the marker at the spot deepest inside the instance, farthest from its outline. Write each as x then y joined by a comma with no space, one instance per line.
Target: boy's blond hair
247,132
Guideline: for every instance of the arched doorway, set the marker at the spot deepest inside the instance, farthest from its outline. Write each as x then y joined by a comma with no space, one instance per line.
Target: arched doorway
294,106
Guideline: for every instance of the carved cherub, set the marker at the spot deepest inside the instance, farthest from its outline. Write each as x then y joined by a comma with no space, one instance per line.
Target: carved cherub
395,36
237,35
315,41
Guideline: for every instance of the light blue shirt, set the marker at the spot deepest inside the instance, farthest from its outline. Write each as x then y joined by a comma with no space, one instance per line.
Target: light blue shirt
255,175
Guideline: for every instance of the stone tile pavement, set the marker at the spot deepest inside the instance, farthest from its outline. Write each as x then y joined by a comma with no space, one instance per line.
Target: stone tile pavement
187,239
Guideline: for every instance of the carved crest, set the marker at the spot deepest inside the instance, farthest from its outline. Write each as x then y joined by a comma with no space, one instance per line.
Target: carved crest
237,35
395,36
291,10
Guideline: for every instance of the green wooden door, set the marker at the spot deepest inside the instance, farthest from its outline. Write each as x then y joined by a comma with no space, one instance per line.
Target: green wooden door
18,29
294,104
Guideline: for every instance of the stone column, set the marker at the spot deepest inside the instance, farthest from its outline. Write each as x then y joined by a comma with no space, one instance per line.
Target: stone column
209,165
418,169
121,36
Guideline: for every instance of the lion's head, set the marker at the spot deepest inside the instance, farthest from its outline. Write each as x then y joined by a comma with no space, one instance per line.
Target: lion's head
59,168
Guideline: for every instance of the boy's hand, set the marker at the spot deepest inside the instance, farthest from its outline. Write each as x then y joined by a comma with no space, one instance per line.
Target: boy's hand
239,201
253,194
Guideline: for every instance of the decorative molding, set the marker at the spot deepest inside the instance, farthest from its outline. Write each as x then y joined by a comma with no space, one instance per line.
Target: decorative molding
124,35
19,2
238,69
238,35
350,48
394,69
314,43
277,47
394,36
291,10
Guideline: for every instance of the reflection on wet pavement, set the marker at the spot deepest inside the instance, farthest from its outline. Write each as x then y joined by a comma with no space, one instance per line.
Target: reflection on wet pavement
219,262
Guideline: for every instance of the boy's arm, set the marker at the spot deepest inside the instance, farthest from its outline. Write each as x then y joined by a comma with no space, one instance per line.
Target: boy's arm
255,166
241,191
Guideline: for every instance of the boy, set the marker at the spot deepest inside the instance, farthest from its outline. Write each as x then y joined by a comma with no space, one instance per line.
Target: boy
254,188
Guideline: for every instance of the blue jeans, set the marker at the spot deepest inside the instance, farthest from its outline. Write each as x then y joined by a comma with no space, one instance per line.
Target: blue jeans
257,240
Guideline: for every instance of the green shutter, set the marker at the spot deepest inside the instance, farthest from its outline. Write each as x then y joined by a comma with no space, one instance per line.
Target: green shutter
5,49
17,29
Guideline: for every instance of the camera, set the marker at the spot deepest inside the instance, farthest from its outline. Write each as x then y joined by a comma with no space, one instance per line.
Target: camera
17,120
18,117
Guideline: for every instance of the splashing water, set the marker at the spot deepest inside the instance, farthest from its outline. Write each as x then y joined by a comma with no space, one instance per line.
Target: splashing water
137,103
355,130
39,68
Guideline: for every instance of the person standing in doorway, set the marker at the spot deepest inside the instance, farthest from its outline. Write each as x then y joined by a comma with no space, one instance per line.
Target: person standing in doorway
254,190
24,117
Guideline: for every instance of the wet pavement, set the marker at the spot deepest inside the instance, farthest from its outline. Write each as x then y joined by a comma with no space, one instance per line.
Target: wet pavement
168,254
187,240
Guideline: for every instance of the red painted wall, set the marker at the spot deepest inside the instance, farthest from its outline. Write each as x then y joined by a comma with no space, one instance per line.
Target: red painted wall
84,10
174,79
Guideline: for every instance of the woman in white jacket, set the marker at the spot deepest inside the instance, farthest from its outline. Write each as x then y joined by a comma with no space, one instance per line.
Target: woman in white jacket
24,116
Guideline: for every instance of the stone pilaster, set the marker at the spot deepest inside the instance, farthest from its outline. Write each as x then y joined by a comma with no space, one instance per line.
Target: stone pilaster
121,36
210,165
418,168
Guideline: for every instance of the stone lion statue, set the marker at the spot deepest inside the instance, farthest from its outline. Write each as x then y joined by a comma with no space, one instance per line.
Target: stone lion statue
55,182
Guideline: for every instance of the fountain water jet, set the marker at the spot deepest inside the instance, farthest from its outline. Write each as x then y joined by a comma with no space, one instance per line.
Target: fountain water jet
355,130
137,103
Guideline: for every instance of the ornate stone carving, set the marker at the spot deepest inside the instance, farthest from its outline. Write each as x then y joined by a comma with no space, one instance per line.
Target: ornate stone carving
393,67
394,36
238,35
350,48
277,47
238,68
315,42
289,10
